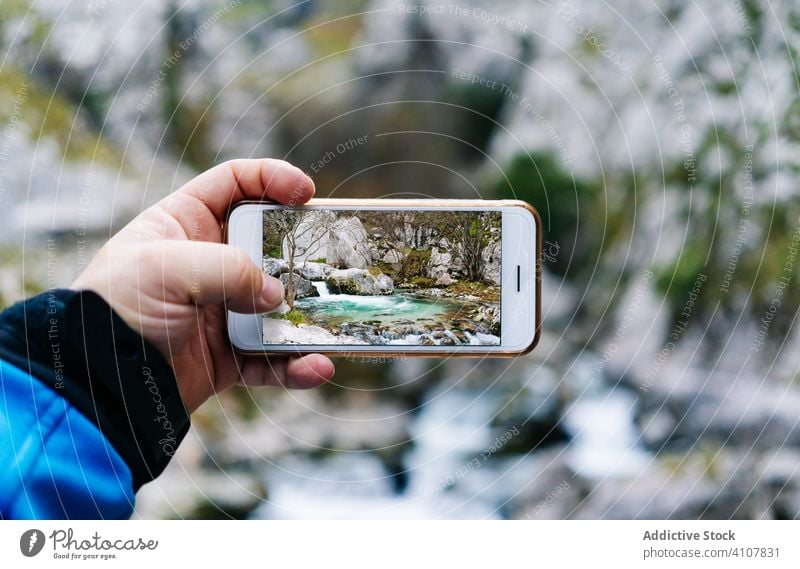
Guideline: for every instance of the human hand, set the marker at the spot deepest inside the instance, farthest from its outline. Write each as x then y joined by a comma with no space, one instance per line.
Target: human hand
169,277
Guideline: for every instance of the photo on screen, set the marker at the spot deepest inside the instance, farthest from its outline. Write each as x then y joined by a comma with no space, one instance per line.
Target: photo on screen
378,277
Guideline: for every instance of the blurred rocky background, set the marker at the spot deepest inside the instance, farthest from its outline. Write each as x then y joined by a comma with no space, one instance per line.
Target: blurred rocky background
658,140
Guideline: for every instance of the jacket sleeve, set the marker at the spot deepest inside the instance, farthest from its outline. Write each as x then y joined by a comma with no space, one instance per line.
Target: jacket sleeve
55,462
89,410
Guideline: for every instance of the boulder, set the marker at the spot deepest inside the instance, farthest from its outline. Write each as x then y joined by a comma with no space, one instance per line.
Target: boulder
274,267
314,271
351,281
341,242
444,280
302,287
440,257
358,281
392,257
440,262
311,237
349,245
383,284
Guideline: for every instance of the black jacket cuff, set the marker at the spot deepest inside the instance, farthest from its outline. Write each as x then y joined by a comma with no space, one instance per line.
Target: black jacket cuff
74,342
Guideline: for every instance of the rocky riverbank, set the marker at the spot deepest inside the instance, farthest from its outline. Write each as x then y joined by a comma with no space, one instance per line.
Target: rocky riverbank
401,332
278,331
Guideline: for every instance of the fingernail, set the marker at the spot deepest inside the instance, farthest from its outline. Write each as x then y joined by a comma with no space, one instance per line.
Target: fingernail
272,290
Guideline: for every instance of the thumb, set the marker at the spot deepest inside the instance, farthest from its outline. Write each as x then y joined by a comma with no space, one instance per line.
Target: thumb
212,273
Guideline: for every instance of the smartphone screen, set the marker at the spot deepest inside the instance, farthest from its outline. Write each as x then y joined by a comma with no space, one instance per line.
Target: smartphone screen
386,276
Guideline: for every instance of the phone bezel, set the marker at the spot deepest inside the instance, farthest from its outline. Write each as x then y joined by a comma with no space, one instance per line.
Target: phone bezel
244,329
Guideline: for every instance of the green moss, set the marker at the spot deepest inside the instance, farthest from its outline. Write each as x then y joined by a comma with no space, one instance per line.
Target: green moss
386,269
320,260
423,282
375,271
295,317
481,290
414,264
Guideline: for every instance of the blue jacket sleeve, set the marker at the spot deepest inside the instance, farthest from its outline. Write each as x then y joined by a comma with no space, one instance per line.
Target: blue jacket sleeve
89,410
55,462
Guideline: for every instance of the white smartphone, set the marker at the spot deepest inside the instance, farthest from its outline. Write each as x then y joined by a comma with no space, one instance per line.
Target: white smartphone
393,277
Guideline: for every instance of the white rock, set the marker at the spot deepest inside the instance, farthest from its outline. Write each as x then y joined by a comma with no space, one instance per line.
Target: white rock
439,263
444,280
302,287
383,284
314,271
277,331
393,256
340,241
484,340
349,245
358,281
274,267
491,259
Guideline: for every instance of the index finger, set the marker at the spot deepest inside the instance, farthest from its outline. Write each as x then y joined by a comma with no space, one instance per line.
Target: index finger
254,179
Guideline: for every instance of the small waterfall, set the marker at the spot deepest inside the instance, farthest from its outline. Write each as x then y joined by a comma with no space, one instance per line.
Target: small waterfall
322,287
